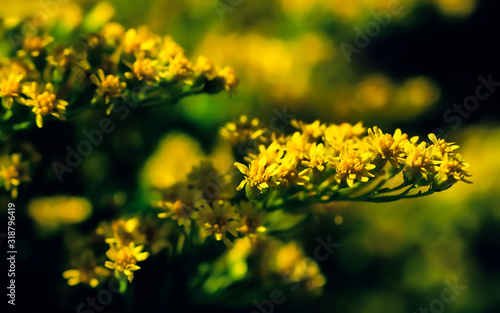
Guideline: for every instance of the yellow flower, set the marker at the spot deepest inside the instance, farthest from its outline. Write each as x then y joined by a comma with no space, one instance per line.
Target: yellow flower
297,144
205,67
336,136
219,220
178,211
141,40
34,45
122,232
88,272
113,33
242,130
169,50
441,147
144,69
353,165
13,173
287,170
10,88
251,220
108,87
418,161
389,147
180,67
66,58
230,79
451,170
273,153
44,102
316,157
314,130
124,259
257,175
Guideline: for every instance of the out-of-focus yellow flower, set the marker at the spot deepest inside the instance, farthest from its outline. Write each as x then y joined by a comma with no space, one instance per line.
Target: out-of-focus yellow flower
51,212
169,50
144,69
180,67
219,220
314,130
34,46
251,220
113,33
353,165
230,79
140,40
124,259
88,272
110,87
13,173
10,88
44,102
205,67
388,147
172,161
66,58
178,211
122,232
289,262
242,130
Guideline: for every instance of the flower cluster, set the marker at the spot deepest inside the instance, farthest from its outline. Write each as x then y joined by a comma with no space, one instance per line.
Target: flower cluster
54,77
328,161
282,176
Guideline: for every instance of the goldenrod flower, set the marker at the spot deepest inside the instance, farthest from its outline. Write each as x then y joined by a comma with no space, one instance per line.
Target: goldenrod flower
44,102
122,232
316,157
353,165
219,220
273,153
297,144
389,147
242,130
418,161
13,173
451,170
66,58
34,45
205,67
441,147
124,259
257,175
144,69
10,88
251,220
180,67
287,170
88,272
230,79
178,211
141,40
337,136
313,130
169,50
113,33
110,87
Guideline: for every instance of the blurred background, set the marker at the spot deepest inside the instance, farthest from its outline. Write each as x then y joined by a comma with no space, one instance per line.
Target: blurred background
394,64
